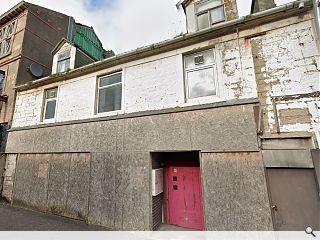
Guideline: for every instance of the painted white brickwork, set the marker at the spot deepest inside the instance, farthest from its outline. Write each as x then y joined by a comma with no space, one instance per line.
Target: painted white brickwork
154,85
282,61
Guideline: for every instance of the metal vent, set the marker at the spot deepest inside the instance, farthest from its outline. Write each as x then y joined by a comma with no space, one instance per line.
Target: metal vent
198,60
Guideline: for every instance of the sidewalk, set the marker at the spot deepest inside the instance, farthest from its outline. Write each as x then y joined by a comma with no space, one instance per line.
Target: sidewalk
18,219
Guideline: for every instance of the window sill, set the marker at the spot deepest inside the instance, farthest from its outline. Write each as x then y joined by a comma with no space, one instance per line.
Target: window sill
111,113
53,120
203,100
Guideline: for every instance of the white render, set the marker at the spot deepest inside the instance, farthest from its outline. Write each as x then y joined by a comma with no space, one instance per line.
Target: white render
291,62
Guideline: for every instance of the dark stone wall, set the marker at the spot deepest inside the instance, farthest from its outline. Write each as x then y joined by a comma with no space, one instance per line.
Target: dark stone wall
44,29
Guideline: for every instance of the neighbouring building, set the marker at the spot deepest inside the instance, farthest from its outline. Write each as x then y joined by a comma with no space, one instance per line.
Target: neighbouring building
217,129
28,34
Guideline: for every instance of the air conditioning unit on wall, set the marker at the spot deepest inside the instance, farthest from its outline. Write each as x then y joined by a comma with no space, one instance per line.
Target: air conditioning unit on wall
157,181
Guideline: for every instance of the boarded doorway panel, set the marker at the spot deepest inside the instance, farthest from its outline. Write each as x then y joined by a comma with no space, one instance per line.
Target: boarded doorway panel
184,197
294,198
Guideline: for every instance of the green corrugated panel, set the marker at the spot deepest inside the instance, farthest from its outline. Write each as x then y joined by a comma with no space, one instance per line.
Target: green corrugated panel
86,39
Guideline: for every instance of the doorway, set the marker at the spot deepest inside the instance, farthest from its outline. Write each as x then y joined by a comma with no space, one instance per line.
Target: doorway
294,197
182,193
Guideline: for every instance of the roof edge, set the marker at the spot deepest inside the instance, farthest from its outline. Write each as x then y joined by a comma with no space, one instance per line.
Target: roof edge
14,8
249,21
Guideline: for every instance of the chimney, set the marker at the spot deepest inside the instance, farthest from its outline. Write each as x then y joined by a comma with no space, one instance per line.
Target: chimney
261,5
231,9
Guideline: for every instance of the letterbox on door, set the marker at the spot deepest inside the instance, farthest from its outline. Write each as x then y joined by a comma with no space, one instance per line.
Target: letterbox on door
157,181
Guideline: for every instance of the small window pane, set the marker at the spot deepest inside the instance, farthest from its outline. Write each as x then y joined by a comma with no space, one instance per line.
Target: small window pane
201,83
217,14
63,55
63,65
110,99
207,5
105,81
203,21
208,58
50,109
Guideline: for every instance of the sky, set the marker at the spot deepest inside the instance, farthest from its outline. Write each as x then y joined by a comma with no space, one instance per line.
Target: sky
124,25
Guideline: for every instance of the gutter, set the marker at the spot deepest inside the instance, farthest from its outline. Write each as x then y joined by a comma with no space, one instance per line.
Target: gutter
256,19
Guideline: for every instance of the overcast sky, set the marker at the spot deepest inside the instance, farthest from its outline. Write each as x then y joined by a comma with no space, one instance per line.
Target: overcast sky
124,25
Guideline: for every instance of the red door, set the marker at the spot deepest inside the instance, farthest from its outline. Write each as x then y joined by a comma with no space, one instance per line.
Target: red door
184,197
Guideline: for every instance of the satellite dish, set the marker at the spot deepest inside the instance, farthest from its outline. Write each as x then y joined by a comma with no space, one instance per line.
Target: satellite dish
36,70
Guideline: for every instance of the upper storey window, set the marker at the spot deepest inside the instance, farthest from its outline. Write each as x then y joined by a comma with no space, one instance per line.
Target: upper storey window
200,72
209,12
6,39
63,61
110,93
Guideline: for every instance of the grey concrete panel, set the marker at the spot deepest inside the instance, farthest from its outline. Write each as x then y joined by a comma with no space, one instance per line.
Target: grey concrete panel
230,128
132,191
78,188
58,183
287,158
120,134
39,184
102,190
20,142
227,128
235,192
52,139
158,132
287,143
23,180
94,137
31,181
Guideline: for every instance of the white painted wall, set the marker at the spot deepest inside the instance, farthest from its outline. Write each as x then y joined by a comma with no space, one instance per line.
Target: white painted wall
157,82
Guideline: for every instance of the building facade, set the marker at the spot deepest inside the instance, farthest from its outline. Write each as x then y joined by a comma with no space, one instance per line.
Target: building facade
204,131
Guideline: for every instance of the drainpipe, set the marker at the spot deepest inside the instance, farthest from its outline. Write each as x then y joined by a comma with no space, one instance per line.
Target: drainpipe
316,22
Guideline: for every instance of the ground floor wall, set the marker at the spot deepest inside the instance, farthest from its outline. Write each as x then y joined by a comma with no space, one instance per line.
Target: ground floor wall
2,169
101,171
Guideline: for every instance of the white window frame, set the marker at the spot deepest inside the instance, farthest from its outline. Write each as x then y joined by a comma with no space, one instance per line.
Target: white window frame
214,66
7,37
108,86
63,59
49,120
208,11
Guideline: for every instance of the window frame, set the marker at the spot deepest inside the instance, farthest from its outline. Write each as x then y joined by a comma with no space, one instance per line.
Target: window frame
2,72
63,59
98,88
45,101
208,11
9,37
214,67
